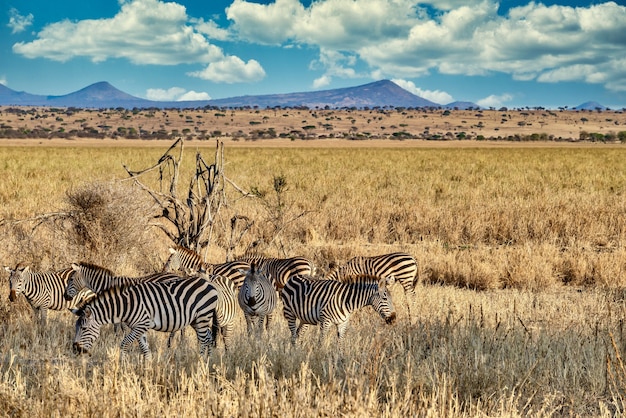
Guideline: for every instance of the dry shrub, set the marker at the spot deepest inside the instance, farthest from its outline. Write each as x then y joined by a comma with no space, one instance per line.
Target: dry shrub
106,223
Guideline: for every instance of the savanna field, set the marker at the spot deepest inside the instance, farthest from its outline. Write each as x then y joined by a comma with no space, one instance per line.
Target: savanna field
519,309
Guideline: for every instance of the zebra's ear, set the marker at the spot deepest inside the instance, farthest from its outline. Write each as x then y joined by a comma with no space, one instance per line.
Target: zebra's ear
7,268
382,284
75,311
75,267
25,269
172,250
390,280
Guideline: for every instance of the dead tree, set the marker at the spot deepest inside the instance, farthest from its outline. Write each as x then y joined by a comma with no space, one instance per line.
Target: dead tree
190,219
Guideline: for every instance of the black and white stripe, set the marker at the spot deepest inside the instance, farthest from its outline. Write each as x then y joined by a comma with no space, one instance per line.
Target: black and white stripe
226,309
279,270
327,302
97,278
257,298
44,290
186,260
165,306
401,266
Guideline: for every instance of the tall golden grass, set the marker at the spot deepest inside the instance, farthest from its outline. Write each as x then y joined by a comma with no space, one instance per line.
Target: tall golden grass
519,310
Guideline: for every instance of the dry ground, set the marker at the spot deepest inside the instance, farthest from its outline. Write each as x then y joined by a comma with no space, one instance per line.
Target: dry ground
243,125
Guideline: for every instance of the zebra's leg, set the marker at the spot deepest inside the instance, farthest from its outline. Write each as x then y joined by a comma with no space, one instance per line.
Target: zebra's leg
268,319
227,332
205,339
170,338
301,328
145,349
408,291
136,332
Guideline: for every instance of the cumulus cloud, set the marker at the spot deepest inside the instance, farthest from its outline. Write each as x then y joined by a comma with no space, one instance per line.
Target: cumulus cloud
3,80
17,22
437,96
143,32
175,94
404,39
231,69
495,101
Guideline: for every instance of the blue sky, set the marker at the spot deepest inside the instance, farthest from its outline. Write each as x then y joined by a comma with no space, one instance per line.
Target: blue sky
507,53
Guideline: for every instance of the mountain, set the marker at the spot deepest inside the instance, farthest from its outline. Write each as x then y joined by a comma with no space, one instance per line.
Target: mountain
462,105
382,93
377,94
590,106
100,95
12,97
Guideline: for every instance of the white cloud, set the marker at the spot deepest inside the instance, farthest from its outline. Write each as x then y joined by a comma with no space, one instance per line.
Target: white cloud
172,93
437,96
194,95
495,101
322,81
231,69
405,39
17,22
143,32
3,80
175,94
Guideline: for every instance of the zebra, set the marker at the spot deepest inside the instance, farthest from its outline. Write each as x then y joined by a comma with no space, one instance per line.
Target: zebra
327,302
257,298
401,266
97,279
165,306
185,259
226,308
43,290
280,269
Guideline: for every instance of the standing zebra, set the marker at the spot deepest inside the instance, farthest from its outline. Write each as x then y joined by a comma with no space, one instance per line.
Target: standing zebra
186,260
279,270
98,279
327,302
257,298
165,306
401,266
43,291
226,308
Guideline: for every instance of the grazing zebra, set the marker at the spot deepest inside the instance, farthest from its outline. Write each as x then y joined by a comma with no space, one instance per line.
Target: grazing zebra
327,302
226,308
97,279
279,270
165,306
257,298
43,290
401,266
187,260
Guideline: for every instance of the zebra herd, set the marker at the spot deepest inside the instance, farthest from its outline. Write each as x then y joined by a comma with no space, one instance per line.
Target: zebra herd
208,297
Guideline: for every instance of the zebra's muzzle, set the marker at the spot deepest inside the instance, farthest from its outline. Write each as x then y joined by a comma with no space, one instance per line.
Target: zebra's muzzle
12,295
79,349
67,297
391,319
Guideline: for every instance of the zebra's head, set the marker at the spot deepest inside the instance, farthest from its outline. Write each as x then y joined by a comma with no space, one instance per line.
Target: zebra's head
75,283
16,280
381,301
174,262
87,330
254,284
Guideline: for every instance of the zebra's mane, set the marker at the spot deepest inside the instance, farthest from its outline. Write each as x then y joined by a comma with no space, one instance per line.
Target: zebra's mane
96,267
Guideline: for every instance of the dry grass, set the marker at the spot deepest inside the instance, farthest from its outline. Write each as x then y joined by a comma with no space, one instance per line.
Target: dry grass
519,311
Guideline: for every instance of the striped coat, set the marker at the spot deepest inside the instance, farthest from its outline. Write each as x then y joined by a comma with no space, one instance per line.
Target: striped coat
163,306
186,260
279,270
401,266
327,302
257,298
44,291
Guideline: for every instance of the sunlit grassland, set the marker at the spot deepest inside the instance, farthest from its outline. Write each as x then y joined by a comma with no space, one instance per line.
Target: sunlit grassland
519,311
